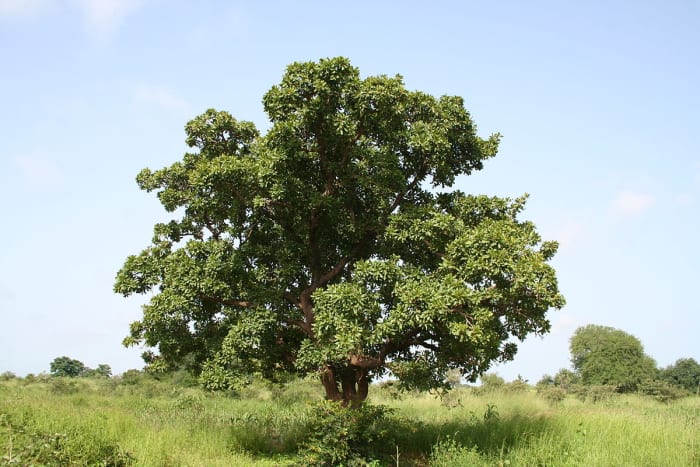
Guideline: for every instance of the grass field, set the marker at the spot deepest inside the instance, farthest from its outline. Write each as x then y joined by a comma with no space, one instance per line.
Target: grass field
106,422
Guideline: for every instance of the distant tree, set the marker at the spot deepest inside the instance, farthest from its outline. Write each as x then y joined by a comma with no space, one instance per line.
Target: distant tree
103,370
492,382
602,355
566,378
545,381
685,373
66,366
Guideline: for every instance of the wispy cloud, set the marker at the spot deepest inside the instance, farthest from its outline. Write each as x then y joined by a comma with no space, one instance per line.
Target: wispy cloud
631,204
159,96
104,17
22,9
39,172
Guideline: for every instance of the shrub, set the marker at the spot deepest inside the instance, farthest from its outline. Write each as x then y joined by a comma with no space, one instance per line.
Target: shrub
448,453
63,385
490,382
552,394
662,391
33,446
342,436
7,375
517,385
595,393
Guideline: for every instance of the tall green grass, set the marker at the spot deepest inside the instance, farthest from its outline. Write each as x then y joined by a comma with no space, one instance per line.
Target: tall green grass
153,423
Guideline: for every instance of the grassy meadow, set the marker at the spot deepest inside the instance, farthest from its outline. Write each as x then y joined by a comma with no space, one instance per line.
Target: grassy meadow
91,421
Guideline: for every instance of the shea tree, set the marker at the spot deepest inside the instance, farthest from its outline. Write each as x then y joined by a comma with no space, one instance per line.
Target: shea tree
334,244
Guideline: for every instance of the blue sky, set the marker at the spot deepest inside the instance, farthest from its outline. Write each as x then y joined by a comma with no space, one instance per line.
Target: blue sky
597,103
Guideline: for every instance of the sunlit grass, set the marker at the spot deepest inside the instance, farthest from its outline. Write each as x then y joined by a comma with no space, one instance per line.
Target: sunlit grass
162,425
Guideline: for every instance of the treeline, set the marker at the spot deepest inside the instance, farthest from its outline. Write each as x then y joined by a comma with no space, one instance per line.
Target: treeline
606,360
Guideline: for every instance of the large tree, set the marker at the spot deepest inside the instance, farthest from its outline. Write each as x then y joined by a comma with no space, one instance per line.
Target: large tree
609,356
332,244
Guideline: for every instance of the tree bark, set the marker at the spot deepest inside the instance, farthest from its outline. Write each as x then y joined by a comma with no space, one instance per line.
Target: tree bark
353,389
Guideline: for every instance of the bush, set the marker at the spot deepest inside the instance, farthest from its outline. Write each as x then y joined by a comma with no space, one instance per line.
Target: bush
518,385
552,394
63,385
490,382
33,446
342,436
7,375
595,393
662,391
449,453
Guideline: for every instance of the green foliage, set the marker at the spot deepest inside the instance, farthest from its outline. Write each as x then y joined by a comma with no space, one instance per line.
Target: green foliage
518,385
337,436
552,394
685,373
27,444
7,375
448,453
188,426
565,379
603,355
63,385
491,382
662,391
133,376
66,366
333,245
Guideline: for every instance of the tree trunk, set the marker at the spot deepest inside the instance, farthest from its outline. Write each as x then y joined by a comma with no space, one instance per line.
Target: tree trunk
353,382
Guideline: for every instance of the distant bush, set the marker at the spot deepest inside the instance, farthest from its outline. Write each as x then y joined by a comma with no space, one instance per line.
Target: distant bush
595,393
662,391
490,382
63,385
132,376
552,394
7,375
517,385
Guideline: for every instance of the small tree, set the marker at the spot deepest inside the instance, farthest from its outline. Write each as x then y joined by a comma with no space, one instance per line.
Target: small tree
685,373
103,370
66,366
603,355
333,244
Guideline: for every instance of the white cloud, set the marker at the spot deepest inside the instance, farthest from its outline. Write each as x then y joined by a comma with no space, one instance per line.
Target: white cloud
159,96
103,17
630,204
39,172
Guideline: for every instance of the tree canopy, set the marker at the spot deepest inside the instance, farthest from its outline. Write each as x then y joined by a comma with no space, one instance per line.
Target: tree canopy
66,366
608,356
685,373
334,245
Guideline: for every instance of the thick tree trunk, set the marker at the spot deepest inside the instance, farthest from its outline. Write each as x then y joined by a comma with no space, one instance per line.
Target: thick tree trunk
353,382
